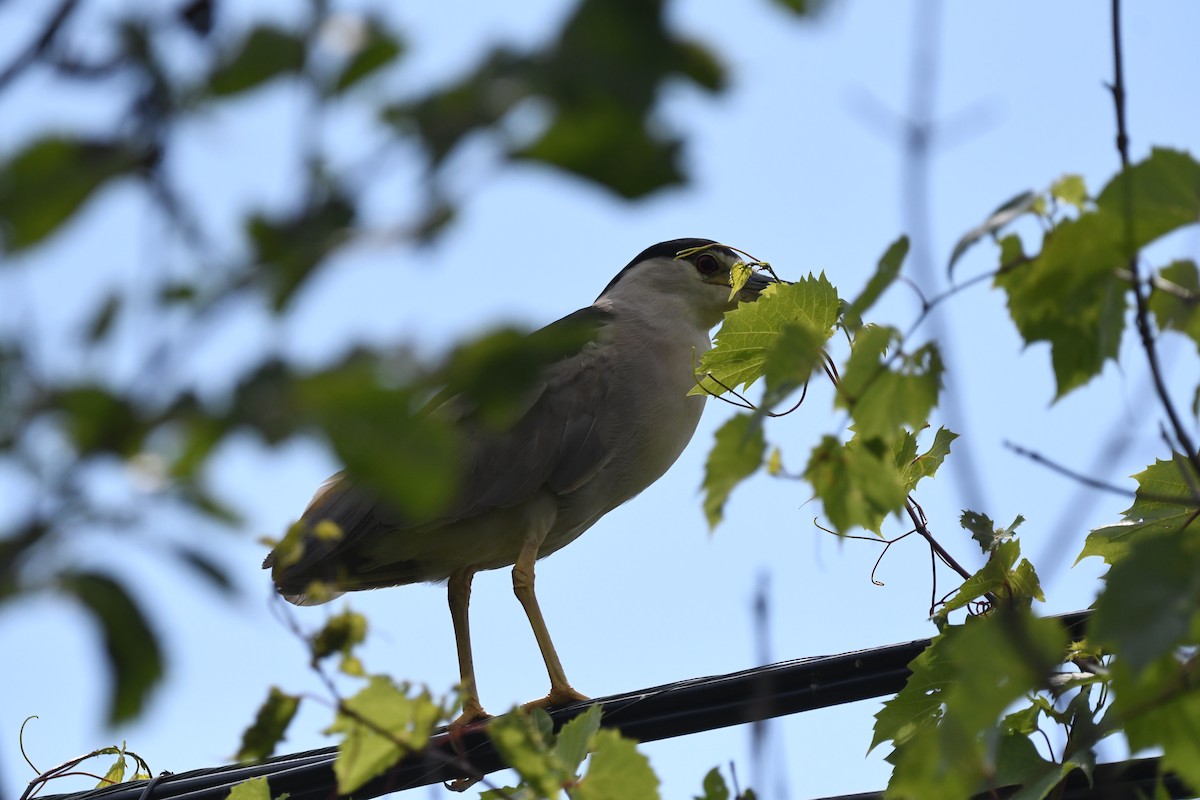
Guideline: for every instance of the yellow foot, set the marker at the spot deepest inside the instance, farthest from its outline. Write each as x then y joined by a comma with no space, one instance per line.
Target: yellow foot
472,712
558,697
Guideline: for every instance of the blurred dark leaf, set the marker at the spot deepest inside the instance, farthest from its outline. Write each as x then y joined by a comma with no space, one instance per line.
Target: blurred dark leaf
291,248
1156,196
14,545
270,724
134,659
204,567
803,7
99,421
380,49
736,454
885,274
102,321
198,16
43,185
264,54
610,144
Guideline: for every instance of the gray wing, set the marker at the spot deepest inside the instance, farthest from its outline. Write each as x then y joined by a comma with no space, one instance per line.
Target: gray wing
557,442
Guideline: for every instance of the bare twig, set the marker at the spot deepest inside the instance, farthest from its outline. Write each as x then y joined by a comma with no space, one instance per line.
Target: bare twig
39,45
1136,284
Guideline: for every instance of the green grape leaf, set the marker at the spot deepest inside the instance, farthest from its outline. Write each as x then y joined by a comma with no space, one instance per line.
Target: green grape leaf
269,726
1175,301
1023,203
1165,502
265,53
341,633
960,687
749,332
926,464
1019,764
115,773
882,393
575,739
1001,576
134,657
381,724
985,532
1071,190
1150,722
885,274
1150,599
736,455
1157,196
251,789
714,786
858,483
525,747
617,771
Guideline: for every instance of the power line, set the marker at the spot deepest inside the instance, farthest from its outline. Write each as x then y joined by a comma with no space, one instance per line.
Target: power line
662,712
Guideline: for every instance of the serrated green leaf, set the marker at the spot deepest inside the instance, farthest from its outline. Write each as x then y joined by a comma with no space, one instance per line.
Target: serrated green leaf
575,739
1002,216
1016,584
926,464
885,274
1150,599
1024,722
617,771
1072,296
1071,190
883,394
739,273
1150,722
1155,197
736,454
748,333
1019,764
381,724
982,529
265,53
858,483
115,773
524,748
251,789
1164,502
43,185
134,658
269,726
714,786
1175,301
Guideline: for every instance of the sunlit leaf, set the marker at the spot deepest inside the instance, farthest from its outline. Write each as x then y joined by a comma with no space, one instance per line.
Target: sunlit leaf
617,771
381,724
575,739
884,391
115,773
736,455
135,661
1165,502
1071,190
251,789
858,483
525,748
745,339
270,724
926,464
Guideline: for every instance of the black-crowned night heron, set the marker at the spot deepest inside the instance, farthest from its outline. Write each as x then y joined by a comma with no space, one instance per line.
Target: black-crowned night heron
600,426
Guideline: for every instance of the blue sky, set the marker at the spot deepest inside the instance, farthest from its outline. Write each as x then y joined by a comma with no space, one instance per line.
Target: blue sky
796,164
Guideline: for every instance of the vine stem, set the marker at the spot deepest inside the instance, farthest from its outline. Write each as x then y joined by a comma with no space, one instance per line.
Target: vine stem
1135,279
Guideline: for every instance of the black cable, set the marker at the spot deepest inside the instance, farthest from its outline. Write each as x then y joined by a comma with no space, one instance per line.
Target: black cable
662,712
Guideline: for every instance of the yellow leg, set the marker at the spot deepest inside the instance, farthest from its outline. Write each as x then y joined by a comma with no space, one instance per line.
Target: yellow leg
459,591
561,692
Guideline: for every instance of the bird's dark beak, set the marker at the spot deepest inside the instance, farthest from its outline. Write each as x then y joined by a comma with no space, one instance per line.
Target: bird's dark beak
758,281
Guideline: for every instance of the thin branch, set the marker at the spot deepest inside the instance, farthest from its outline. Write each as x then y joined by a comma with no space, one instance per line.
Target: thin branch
1139,293
39,45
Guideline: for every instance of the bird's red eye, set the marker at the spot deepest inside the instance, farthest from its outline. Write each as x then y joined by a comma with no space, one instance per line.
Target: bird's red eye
707,264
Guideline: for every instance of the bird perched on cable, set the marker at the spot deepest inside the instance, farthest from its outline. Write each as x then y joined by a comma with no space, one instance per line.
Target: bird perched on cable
598,427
